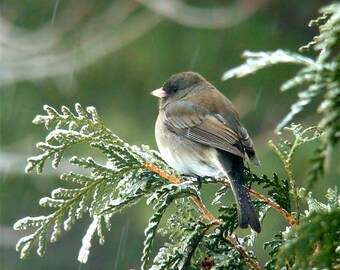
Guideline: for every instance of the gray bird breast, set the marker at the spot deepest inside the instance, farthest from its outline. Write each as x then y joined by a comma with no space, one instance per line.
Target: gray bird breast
183,155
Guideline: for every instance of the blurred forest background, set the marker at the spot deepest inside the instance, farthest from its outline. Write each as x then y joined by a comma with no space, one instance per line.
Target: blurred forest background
111,54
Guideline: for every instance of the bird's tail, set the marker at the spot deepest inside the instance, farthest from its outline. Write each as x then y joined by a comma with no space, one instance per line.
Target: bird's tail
233,168
245,208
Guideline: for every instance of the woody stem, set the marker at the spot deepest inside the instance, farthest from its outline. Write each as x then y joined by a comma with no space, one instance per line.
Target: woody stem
206,214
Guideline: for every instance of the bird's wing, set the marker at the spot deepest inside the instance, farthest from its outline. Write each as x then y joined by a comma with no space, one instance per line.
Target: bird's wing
248,144
200,125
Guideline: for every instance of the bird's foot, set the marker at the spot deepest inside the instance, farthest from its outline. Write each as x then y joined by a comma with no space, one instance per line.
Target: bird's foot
197,179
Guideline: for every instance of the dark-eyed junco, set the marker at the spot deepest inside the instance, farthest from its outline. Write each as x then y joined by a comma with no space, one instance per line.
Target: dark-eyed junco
198,132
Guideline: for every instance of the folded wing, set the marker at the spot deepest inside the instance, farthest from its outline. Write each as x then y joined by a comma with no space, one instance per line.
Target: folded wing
198,124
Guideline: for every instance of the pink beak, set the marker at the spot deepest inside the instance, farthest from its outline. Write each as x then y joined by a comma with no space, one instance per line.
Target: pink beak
160,93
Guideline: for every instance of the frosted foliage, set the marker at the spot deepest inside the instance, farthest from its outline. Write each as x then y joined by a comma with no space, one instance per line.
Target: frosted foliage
86,243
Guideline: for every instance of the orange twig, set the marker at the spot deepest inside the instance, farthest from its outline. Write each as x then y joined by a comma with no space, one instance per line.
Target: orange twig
151,167
206,214
240,249
293,222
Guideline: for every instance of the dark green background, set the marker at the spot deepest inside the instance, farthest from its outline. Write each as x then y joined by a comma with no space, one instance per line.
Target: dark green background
118,85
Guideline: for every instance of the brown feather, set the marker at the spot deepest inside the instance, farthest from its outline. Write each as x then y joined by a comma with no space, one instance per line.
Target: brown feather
218,126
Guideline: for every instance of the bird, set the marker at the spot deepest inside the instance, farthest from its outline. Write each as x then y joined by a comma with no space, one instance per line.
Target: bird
198,133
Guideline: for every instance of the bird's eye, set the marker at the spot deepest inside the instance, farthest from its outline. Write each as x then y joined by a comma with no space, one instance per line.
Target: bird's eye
173,89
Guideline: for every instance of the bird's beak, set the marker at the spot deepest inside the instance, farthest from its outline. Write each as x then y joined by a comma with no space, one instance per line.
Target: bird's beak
160,93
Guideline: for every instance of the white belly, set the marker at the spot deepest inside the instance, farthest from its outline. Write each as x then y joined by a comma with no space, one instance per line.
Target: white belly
185,156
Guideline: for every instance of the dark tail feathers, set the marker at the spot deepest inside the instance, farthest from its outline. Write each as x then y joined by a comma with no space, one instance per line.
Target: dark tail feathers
245,209
233,168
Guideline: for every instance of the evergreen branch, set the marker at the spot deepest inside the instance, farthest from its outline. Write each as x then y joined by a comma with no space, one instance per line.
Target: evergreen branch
184,255
304,76
69,130
191,244
245,255
319,21
286,151
327,41
124,161
305,97
206,214
293,222
26,243
67,118
223,254
86,242
314,243
316,168
319,76
259,60
228,217
263,198
165,197
179,229
162,173
275,243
